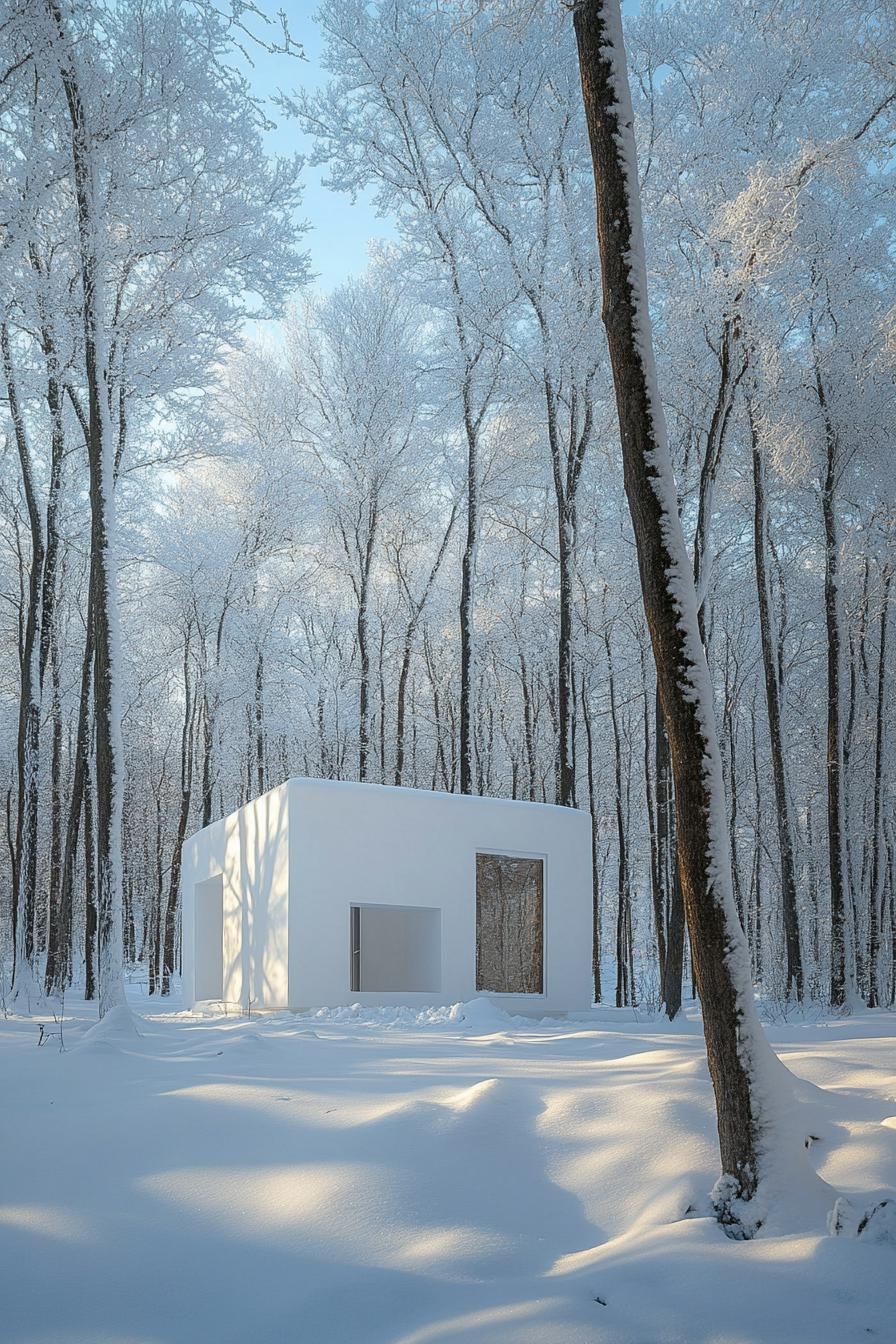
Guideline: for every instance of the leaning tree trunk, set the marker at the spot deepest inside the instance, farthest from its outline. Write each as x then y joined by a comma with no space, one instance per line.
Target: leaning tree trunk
736,1049
101,461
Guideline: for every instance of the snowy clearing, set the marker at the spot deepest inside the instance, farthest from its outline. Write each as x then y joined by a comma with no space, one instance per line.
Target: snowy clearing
388,1177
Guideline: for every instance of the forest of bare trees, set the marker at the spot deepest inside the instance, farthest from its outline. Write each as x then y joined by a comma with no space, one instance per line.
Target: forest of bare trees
387,538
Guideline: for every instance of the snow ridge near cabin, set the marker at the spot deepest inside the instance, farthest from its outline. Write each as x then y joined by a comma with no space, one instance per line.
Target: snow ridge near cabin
404,1176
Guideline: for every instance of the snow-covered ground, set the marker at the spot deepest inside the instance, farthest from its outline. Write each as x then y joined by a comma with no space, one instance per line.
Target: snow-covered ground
388,1178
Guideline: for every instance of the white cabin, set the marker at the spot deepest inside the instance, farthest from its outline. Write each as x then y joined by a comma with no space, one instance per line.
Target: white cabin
322,894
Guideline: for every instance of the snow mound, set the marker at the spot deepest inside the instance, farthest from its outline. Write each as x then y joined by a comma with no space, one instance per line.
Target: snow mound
389,1016
483,1098
480,1014
117,1027
876,1224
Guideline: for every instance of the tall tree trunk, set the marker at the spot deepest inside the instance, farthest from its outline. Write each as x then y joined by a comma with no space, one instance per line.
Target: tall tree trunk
566,468
260,773
794,960
595,888
736,1049
732,367
172,908
101,455
667,862
57,926
80,784
623,987
467,595
566,772
365,554
91,914
28,740
410,635
878,839
841,984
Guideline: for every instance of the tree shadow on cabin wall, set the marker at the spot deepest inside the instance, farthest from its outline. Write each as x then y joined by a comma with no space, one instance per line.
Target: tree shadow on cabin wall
256,886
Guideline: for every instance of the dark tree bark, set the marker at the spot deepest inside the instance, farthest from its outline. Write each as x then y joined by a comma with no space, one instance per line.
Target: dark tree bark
77,799
172,908
878,839
595,888
623,984
91,916
258,714
567,461
735,1046
732,367
656,891
57,925
794,964
840,902
416,612
28,739
672,973
107,710
467,590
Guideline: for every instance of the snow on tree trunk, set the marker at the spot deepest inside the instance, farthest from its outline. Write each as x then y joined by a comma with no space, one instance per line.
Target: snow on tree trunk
740,1062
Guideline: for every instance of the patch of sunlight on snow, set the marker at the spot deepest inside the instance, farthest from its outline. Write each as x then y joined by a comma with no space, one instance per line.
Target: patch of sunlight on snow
427,1249
284,1100
299,1199
667,1240
853,1146
45,1220
263,1200
459,1326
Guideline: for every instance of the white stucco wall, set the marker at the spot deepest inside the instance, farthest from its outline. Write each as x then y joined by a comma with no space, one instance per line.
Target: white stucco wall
295,860
250,848
365,843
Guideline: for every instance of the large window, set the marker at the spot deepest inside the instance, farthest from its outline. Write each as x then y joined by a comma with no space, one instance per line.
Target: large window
396,948
509,924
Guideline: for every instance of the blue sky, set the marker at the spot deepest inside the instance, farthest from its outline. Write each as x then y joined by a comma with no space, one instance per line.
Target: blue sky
339,233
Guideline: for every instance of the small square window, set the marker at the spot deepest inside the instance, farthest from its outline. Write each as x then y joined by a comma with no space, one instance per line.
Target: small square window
396,949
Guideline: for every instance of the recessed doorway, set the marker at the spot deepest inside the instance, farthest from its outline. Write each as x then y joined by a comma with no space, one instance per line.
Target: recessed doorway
208,938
